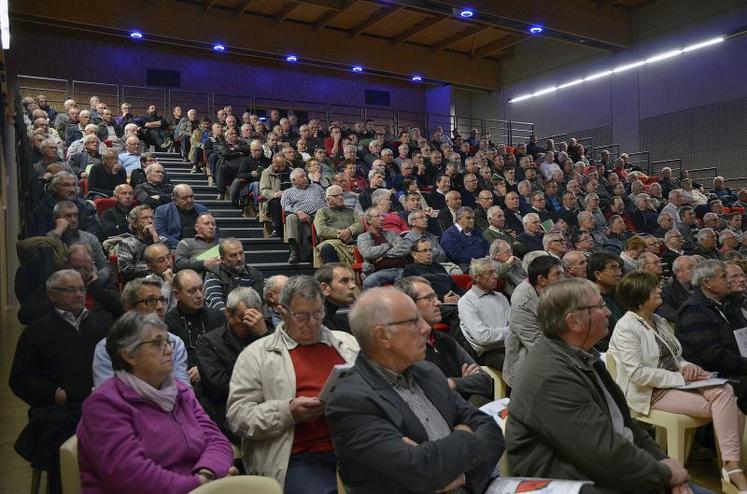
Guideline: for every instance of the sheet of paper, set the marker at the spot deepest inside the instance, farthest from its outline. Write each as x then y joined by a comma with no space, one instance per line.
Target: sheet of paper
497,409
211,252
741,336
705,383
512,485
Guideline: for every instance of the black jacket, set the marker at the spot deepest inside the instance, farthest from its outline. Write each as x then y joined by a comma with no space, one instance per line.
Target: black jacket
448,356
707,336
673,295
144,191
114,222
334,320
191,327
40,220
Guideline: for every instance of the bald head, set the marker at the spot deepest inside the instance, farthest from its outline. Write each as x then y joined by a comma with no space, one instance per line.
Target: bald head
574,264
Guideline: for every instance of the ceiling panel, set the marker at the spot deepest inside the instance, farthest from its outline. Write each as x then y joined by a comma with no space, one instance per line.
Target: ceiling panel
395,24
437,33
306,13
483,38
353,16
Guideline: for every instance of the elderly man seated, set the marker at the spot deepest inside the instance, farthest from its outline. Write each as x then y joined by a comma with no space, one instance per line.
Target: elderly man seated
300,203
418,222
384,253
217,350
507,266
574,264
176,220
531,238
161,268
497,226
337,227
130,157
484,314
114,220
396,424
274,180
273,403
707,244
130,260
87,154
107,175
232,272
51,370
645,217
447,215
569,418
154,191
63,187
461,241
425,266
674,293
188,250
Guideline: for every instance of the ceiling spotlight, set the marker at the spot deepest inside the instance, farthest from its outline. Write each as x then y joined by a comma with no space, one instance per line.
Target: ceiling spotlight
417,78
466,13
219,48
357,68
291,58
536,29
136,35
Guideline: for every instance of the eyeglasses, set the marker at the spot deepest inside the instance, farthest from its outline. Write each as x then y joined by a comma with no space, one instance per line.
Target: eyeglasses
431,297
424,251
151,301
601,306
412,322
304,317
70,290
158,343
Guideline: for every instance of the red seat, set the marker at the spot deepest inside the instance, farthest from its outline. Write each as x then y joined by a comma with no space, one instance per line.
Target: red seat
104,203
463,281
83,183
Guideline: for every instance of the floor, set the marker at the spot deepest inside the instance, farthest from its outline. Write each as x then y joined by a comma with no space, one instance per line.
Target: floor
15,473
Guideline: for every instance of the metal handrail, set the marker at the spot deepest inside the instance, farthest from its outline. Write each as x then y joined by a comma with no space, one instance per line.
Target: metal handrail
668,160
608,147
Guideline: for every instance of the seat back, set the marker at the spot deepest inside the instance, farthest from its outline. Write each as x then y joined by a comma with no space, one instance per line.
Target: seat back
69,468
104,203
240,484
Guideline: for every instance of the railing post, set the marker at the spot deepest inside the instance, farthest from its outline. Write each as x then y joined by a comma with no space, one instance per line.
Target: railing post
510,132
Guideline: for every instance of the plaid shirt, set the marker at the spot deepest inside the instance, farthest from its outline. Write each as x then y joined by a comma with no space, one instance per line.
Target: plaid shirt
308,200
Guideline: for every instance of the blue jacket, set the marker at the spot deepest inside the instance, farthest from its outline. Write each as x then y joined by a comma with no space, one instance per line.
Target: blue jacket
169,224
461,248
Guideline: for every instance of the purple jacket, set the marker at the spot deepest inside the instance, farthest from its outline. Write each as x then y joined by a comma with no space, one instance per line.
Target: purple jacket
127,444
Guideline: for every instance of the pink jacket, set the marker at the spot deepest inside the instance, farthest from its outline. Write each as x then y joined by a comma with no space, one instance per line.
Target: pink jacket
129,445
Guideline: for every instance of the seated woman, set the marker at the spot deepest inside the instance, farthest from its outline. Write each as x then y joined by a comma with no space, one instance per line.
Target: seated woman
142,431
650,365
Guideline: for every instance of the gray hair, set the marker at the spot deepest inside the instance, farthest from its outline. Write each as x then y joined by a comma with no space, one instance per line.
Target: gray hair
479,266
127,334
662,215
726,233
671,233
528,217
56,278
373,173
89,137
109,153
380,194
584,214
531,256
152,167
386,151
176,192
703,232
296,172
412,215
493,210
561,298
498,244
62,206
134,213
406,285
370,310
371,212
59,177
246,295
303,286
677,264
549,237
462,211
272,283
130,291
705,270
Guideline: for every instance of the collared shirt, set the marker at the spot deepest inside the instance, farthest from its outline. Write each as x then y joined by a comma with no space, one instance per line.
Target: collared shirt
70,318
408,389
461,230
290,343
309,200
484,318
129,161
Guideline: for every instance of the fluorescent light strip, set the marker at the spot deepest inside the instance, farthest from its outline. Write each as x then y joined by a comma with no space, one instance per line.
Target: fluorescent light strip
621,68
4,25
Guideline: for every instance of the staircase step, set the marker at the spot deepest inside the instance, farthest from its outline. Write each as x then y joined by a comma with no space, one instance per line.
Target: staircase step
270,269
204,188
267,256
242,232
214,204
226,213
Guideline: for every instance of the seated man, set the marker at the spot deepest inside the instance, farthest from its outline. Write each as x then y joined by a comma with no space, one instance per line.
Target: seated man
650,263
418,221
340,291
484,315
161,268
130,158
130,261
524,322
645,218
463,374
497,226
424,266
114,220
461,242
154,191
337,227
605,270
384,253
396,424
300,203
531,238
674,293
274,180
51,370
63,187
508,267
189,249
572,421
216,351
99,293
65,215
574,264
85,152
447,215
190,320
141,295
105,177
176,220
272,402
707,244
232,272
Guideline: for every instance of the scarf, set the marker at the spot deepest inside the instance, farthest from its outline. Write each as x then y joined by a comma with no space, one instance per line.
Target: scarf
165,397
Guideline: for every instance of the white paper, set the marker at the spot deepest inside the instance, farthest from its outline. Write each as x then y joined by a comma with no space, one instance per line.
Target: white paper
741,337
510,485
705,383
496,410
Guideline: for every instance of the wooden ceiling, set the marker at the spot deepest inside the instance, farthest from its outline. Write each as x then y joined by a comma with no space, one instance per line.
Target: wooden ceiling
391,38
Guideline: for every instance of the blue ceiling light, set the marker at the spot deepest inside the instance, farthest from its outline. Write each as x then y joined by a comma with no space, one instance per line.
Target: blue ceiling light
466,13
219,48
136,35
417,78
291,58
357,68
536,29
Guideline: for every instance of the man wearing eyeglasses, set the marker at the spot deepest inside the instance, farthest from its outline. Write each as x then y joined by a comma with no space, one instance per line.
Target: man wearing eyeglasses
396,423
273,403
51,369
142,295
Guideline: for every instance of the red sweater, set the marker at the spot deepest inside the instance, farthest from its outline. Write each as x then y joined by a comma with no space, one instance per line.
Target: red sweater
313,364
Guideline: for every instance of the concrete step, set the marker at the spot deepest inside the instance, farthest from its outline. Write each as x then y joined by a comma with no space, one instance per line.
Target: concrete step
214,204
270,269
226,213
267,256
241,232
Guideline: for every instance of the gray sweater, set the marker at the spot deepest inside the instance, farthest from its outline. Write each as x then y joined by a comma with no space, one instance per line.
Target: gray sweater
187,251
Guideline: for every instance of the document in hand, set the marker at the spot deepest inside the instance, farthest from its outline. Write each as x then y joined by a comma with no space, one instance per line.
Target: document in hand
512,485
705,383
338,372
741,336
209,254
497,409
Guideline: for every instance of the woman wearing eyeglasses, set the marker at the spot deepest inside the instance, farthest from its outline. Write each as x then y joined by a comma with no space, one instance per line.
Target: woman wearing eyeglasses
649,367
142,431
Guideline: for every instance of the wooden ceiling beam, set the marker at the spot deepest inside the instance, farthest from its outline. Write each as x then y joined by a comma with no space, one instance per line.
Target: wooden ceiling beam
417,29
460,36
603,4
208,3
242,6
376,18
286,11
497,45
330,16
